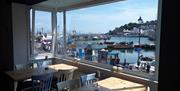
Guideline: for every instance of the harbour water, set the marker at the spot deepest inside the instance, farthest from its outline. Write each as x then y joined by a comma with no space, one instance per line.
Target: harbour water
130,55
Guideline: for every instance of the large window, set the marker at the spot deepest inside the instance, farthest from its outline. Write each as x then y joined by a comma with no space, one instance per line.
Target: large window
41,34
117,34
120,34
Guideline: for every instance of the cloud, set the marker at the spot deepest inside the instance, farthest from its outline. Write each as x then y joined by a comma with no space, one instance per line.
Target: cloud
104,17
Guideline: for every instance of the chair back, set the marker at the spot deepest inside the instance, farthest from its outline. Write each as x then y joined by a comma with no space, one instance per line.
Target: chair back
42,82
23,66
44,63
64,75
87,79
39,64
69,84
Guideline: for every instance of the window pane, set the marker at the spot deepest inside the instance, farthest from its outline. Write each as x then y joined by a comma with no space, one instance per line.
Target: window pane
117,34
60,37
42,35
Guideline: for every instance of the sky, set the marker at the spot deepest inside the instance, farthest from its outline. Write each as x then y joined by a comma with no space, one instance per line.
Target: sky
102,18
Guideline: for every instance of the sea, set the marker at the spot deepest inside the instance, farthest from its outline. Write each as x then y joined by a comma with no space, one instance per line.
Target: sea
130,55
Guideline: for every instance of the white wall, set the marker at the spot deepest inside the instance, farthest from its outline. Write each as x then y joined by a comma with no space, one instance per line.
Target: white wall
20,33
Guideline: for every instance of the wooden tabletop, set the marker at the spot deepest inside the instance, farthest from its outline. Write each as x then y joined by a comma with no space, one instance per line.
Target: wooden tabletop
19,75
114,84
62,67
117,84
91,88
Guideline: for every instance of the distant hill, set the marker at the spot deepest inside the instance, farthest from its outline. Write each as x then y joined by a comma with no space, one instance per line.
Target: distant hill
147,25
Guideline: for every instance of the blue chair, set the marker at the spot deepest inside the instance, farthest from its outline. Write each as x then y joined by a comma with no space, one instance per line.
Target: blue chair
46,63
23,66
87,79
68,85
42,82
62,75
40,64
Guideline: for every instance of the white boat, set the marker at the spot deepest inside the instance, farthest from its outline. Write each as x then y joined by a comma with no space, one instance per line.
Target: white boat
143,65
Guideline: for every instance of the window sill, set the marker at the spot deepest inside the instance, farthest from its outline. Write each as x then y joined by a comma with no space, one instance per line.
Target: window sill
108,68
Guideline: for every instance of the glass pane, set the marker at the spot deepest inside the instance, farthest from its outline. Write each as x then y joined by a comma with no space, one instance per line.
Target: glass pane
60,37
117,34
42,35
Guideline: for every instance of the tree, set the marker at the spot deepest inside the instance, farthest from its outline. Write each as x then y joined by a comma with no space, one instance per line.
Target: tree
131,25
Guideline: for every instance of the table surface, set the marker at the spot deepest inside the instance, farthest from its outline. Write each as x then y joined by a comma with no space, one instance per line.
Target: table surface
62,67
18,75
115,84
91,88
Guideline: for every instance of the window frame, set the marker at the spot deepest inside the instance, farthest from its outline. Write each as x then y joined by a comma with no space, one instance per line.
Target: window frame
31,32
153,77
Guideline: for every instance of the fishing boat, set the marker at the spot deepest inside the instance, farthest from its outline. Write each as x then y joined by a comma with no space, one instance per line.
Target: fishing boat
121,45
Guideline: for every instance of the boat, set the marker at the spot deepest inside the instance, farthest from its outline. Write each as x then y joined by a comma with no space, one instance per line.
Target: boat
95,38
145,46
121,45
105,42
143,66
146,59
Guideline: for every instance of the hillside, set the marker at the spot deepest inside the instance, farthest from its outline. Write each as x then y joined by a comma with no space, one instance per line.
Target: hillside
147,25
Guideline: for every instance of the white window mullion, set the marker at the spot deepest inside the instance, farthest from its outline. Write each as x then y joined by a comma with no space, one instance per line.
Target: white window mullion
54,31
28,33
158,34
64,31
33,31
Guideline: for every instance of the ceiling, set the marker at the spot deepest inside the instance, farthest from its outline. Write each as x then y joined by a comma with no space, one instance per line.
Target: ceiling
28,2
63,4
71,4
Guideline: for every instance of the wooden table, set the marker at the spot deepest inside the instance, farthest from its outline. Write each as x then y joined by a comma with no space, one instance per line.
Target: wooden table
115,84
62,67
19,75
91,88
